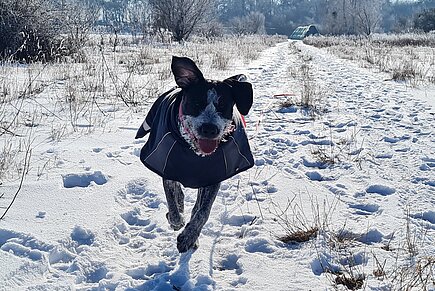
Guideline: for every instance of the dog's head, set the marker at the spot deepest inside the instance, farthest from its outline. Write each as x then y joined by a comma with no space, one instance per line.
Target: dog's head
206,110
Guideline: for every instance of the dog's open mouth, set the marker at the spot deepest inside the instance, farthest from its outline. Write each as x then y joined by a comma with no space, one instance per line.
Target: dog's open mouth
202,146
207,146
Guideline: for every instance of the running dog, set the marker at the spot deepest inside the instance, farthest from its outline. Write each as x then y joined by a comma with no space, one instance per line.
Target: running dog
197,139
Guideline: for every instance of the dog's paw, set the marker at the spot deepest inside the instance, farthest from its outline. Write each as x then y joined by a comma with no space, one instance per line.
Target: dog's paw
186,241
175,224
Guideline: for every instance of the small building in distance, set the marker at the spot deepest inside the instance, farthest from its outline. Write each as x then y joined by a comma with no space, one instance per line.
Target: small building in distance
302,32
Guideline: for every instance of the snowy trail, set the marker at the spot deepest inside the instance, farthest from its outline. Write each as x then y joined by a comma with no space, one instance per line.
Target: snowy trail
397,130
102,226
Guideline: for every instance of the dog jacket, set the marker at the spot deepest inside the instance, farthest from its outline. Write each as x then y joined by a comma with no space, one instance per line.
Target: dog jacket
167,153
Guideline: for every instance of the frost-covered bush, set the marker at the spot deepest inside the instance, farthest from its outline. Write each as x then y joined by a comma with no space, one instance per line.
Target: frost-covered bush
425,20
27,30
253,23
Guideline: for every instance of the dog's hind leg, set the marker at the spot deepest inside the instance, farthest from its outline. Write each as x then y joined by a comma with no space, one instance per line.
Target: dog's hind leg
175,199
200,213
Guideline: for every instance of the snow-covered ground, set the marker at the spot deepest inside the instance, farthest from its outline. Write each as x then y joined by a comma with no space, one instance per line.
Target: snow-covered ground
96,219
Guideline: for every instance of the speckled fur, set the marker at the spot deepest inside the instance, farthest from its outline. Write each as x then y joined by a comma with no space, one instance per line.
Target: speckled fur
208,115
188,238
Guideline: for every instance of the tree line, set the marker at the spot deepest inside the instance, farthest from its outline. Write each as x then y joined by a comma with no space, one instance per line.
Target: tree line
267,16
264,16
28,25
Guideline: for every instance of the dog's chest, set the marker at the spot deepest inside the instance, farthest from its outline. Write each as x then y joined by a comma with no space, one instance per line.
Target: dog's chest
168,154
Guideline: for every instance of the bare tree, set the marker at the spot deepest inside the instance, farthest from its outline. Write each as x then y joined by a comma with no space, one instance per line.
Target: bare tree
180,17
28,30
78,25
353,16
139,17
253,23
367,15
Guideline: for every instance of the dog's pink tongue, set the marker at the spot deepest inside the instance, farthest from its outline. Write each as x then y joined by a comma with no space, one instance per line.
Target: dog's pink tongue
207,146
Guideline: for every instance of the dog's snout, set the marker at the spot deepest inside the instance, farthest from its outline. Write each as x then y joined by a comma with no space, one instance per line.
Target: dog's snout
208,130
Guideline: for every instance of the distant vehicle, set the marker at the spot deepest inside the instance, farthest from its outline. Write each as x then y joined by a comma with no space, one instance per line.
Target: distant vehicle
303,31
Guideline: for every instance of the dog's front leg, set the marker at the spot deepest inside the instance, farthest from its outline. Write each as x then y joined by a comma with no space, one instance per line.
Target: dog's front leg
175,199
200,213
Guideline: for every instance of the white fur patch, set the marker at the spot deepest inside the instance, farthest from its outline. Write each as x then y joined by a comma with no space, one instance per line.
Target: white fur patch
189,125
212,96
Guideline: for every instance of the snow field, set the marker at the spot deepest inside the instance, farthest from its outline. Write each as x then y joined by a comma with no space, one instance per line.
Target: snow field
361,170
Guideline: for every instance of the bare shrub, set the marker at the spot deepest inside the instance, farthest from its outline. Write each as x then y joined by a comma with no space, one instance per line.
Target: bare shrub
211,29
77,25
25,149
220,60
180,17
311,92
28,30
351,282
347,148
404,71
418,275
297,225
253,23
300,236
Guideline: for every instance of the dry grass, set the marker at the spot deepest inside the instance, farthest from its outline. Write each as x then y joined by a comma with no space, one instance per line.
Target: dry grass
351,283
80,94
300,236
406,57
299,225
311,95
342,148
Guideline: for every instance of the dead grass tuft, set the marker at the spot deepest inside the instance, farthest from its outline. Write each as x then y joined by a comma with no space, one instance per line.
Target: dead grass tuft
407,57
351,283
300,236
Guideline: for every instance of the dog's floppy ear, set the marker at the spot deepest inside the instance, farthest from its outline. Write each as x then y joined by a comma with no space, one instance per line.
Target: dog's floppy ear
185,71
242,92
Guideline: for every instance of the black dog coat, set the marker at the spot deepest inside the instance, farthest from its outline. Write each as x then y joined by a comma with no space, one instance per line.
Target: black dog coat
167,153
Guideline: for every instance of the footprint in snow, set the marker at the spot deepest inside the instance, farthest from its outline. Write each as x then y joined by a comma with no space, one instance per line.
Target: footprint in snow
137,226
238,220
337,190
64,257
115,154
423,180
137,191
259,245
82,236
317,176
87,271
261,191
133,218
230,267
428,164
396,139
97,150
84,179
150,272
313,164
230,263
168,277
428,216
371,237
354,259
381,190
365,209
23,245
384,156
141,225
